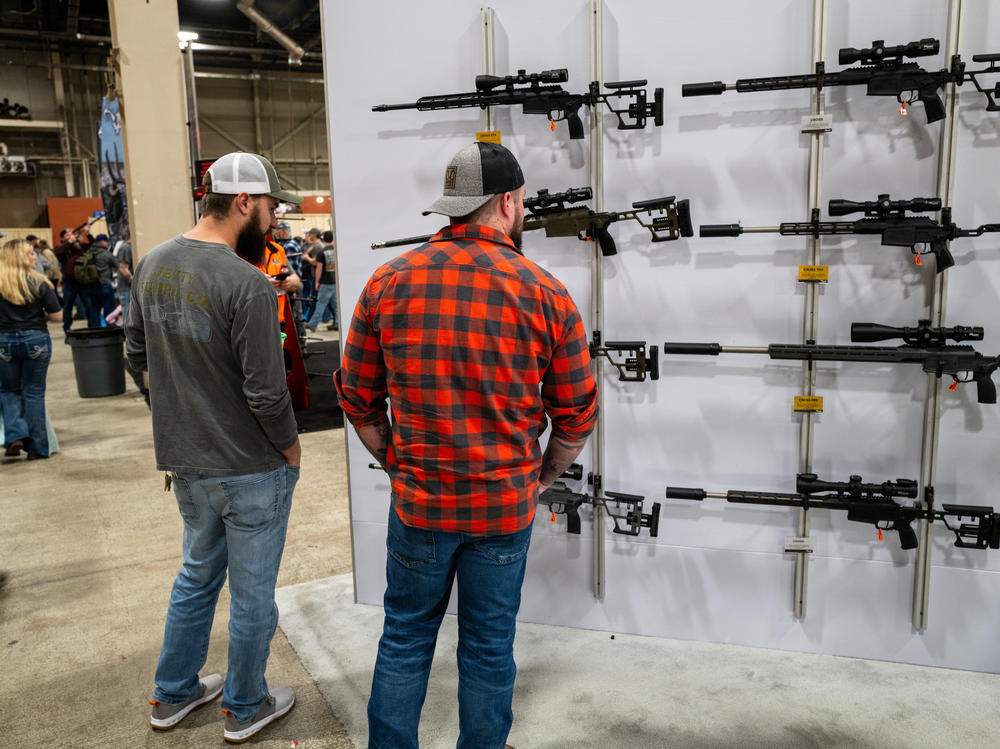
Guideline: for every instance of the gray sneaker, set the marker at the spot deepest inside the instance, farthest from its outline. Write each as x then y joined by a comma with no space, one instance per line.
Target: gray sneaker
165,717
276,704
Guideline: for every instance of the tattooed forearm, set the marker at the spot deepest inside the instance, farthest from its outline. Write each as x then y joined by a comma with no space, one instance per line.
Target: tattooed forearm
376,438
558,457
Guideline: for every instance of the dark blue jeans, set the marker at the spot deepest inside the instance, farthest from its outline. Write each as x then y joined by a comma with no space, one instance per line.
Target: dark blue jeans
420,569
90,295
24,361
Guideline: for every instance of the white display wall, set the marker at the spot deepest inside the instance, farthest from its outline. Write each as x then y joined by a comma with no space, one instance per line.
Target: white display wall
717,571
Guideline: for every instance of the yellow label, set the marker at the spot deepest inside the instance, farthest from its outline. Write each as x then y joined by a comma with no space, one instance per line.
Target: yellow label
808,402
489,136
814,273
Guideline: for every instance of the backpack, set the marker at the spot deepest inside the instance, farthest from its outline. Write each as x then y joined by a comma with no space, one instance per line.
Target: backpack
85,268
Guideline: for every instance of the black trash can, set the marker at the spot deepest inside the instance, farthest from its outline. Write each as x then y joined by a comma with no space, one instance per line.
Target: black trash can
98,360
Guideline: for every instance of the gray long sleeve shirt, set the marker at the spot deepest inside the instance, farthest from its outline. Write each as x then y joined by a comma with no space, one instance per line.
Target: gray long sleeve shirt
204,323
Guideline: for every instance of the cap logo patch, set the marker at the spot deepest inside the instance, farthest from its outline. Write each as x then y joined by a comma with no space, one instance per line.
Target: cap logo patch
449,177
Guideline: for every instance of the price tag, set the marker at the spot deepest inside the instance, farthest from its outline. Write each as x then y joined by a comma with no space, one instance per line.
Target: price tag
489,136
808,402
801,544
817,123
820,273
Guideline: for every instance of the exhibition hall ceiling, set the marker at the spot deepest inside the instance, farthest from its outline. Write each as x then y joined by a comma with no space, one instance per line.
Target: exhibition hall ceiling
79,24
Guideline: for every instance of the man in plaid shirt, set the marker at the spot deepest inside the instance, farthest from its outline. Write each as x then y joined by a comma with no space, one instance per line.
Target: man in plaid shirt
475,346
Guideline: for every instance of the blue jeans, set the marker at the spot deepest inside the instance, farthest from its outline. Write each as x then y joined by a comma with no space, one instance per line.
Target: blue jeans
106,298
24,361
326,299
420,569
237,522
125,299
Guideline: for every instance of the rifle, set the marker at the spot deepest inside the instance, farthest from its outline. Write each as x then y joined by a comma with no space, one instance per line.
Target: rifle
925,346
562,501
539,93
883,71
549,211
884,217
871,503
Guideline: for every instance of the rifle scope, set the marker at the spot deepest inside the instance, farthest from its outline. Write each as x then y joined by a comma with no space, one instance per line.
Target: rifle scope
922,335
808,483
545,201
490,82
879,52
884,206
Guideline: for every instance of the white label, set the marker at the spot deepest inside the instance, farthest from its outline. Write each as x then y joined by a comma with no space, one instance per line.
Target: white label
801,544
817,123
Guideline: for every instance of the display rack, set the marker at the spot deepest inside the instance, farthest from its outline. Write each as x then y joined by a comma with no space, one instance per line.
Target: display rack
489,60
810,323
932,404
597,292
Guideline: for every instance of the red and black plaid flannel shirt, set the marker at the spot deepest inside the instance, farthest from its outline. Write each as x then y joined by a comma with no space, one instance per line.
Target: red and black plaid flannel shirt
474,345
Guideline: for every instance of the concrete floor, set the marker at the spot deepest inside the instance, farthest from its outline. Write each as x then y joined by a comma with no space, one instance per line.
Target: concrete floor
92,544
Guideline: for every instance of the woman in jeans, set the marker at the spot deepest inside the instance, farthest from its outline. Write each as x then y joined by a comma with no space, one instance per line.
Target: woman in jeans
27,301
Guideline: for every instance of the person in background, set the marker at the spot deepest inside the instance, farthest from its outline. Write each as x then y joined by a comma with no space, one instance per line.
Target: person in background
474,346
292,254
310,244
54,272
70,248
204,324
125,270
41,263
106,267
325,285
27,303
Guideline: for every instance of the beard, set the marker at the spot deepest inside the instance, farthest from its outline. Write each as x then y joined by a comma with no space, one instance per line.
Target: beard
516,231
250,241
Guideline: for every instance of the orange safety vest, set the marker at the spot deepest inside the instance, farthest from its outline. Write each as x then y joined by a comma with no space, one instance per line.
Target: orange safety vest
274,261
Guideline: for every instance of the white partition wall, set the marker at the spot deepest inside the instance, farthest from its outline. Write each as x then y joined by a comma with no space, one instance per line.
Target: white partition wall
716,571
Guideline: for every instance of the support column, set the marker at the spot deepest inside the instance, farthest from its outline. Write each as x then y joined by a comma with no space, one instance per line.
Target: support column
597,294
154,136
932,407
810,321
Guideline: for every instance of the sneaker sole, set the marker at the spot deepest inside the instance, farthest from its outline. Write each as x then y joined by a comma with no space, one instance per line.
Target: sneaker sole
173,720
238,737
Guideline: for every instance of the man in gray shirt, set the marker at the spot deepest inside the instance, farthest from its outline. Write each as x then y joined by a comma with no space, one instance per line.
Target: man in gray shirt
204,323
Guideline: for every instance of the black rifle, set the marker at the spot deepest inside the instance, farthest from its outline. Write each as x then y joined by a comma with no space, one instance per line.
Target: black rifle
883,71
670,219
884,217
562,501
934,356
871,503
539,93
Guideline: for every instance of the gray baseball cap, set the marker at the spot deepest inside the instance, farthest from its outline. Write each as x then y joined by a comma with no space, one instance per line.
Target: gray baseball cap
473,176
246,172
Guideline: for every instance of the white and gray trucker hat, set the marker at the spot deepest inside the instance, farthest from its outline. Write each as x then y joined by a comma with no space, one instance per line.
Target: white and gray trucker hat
473,176
246,172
